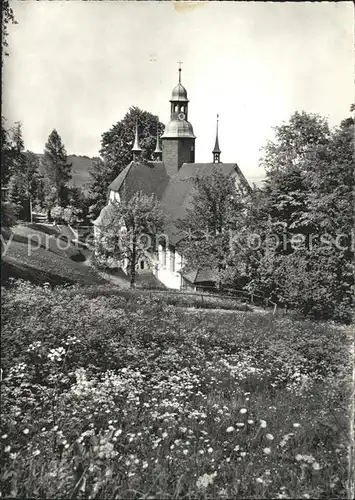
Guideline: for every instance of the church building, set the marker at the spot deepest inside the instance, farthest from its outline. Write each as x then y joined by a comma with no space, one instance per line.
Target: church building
170,178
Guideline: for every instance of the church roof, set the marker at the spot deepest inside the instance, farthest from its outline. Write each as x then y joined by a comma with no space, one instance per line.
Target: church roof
199,275
175,192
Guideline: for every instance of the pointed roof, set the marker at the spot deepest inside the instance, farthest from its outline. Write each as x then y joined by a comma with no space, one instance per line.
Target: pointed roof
136,147
216,144
158,149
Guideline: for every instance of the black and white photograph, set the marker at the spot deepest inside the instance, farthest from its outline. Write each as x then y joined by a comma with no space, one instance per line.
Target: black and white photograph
177,250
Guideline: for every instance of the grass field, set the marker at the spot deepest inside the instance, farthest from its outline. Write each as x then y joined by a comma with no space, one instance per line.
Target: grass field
107,396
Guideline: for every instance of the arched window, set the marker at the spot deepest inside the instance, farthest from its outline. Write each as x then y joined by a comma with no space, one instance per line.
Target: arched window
176,108
182,109
142,264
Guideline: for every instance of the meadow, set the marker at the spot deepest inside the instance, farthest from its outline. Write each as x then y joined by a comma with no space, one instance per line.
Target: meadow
112,396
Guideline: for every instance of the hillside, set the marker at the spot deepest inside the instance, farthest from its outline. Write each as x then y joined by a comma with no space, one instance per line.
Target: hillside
80,169
41,254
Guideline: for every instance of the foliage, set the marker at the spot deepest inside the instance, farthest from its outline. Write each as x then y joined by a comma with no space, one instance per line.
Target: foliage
7,17
56,171
308,195
216,210
116,151
128,230
135,398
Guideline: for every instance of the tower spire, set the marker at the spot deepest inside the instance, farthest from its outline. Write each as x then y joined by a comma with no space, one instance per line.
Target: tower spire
136,149
158,153
216,151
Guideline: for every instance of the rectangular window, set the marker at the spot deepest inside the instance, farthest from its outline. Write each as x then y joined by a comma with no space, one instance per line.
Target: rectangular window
172,260
163,256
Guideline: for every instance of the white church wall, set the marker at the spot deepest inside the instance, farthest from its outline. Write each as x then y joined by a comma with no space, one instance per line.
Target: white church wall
165,271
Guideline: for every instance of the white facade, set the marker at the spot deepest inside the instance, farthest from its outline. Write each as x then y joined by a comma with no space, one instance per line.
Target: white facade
167,267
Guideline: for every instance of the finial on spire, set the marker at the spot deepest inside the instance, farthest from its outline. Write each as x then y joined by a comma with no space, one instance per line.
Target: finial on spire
216,151
136,149
179,63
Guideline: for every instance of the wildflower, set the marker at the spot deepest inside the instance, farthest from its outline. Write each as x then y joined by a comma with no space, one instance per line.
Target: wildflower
243,453
259,480
145,465
185,452
118,432
296,425
267,451
7,449
36,452
243,410
270,437
239,424
316,466
230,429
4,436
298,457
205,480
263,424
250,422
210,450
25,431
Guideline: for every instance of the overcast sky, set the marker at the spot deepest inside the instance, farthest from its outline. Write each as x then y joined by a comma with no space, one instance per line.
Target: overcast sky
77,66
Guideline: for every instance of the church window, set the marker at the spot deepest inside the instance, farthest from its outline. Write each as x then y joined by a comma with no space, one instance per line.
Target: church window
176,108
142,264
172,261
163,256
182,109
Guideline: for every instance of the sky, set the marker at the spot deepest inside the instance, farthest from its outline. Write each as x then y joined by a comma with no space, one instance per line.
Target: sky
78,66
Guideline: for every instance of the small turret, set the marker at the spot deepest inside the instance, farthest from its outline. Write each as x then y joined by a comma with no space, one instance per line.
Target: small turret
216,151
136,149
158,153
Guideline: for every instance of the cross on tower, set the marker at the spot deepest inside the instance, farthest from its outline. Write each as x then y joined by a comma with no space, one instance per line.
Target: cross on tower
180,63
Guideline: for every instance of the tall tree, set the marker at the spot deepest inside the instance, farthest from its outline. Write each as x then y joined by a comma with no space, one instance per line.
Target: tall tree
100,178
116,151
56,171
309,195
128,231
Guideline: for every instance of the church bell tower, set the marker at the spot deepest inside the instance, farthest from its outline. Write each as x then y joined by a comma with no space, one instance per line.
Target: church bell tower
178,138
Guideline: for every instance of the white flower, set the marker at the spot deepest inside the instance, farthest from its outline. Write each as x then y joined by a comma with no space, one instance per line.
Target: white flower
230,429
7,449
263,423
267,451
270,437
239,424
259,480
4,436
210,450
185,452
243,410
296,425
243,453
298,457
36,452
316,466
118,432
205,480
25,431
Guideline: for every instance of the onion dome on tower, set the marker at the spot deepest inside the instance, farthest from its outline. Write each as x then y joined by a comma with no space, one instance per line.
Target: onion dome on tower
178,125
